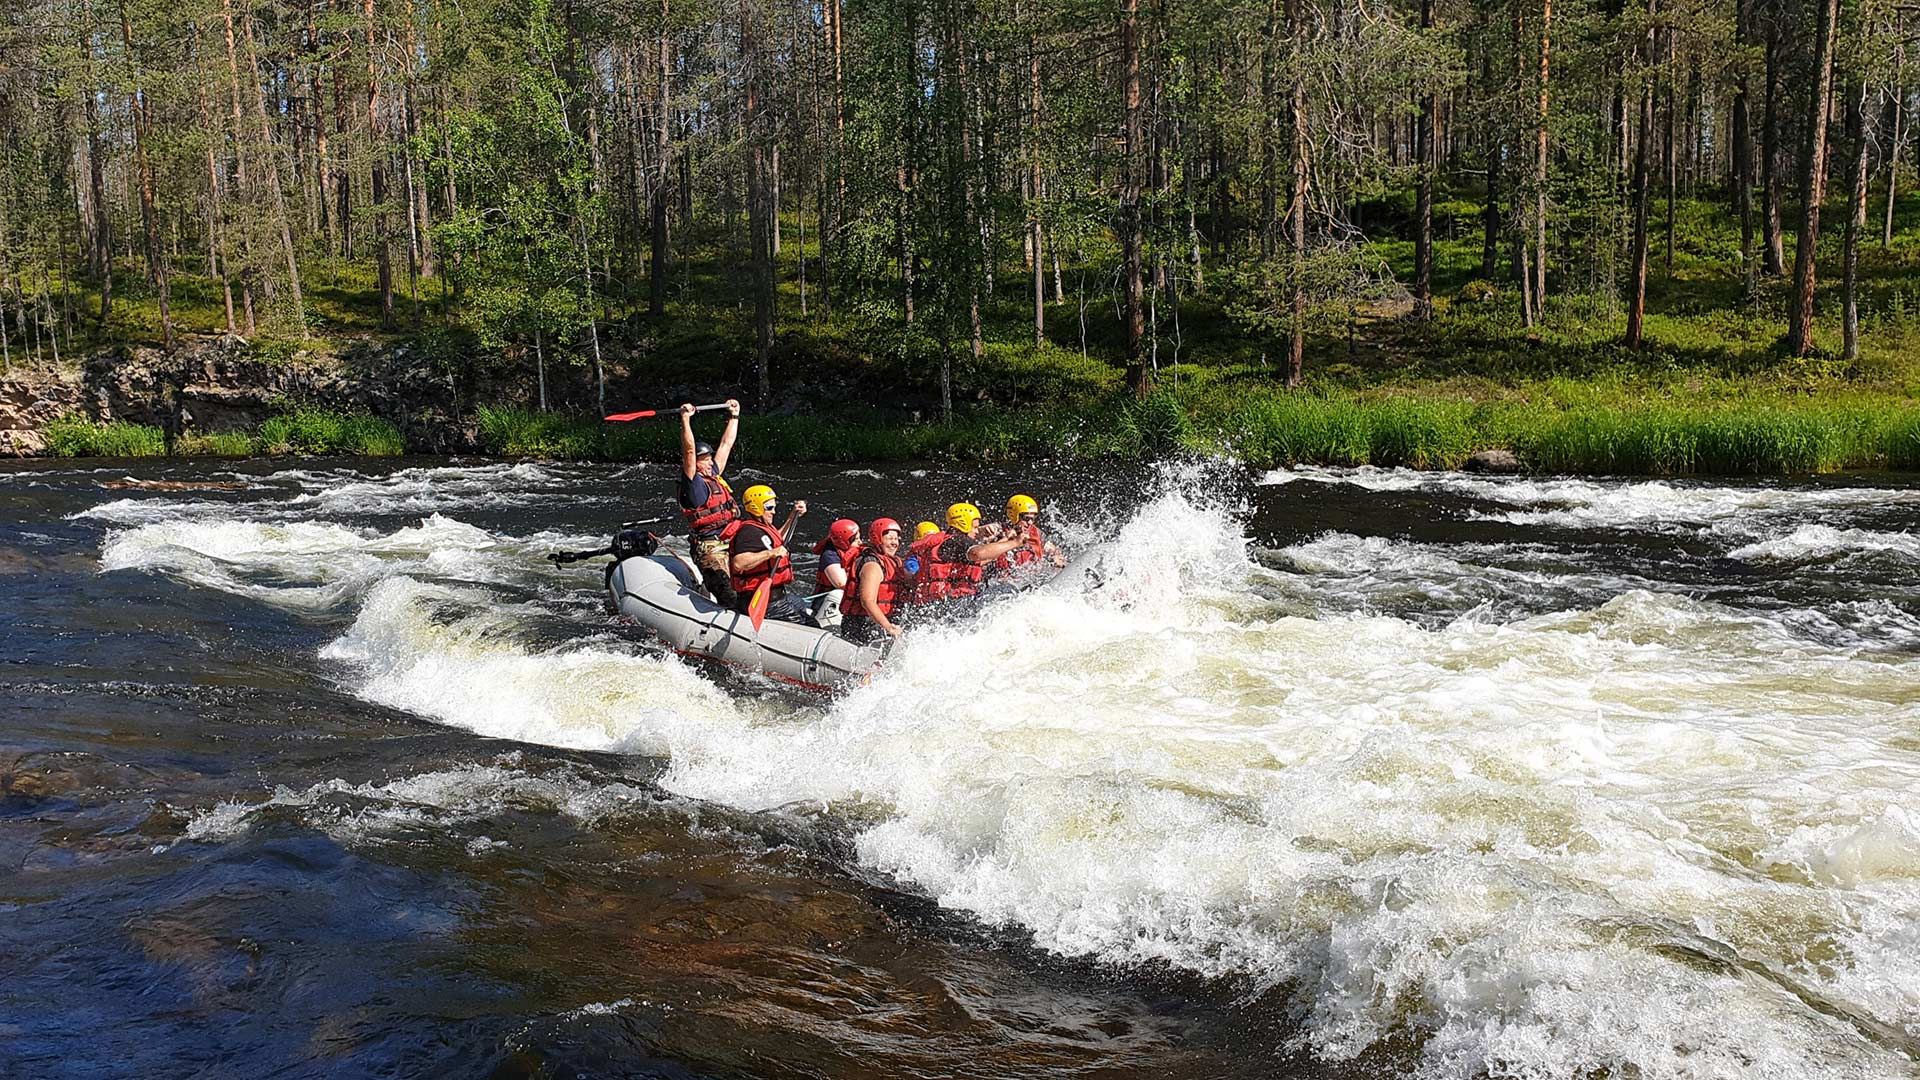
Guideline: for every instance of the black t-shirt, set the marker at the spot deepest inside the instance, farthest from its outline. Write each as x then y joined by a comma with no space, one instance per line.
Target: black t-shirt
954,548
750,538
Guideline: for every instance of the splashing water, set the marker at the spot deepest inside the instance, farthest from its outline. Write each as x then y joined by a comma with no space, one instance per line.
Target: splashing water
1639,834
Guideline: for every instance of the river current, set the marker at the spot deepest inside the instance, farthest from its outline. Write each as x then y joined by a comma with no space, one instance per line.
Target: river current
323,770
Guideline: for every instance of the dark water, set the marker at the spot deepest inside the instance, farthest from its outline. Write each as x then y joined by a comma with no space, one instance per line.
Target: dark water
331,775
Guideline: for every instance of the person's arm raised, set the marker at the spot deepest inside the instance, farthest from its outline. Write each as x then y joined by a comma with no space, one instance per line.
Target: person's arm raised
689,461
793,518
725,449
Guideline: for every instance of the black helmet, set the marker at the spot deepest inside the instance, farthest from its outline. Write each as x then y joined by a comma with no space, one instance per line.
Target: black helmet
701,449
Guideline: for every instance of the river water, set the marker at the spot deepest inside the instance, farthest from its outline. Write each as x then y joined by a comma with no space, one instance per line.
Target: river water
1354,773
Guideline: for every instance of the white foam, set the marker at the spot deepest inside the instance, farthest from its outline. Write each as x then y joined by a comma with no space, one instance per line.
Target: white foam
429,800
1580,503
1637,838
303,565
1819,542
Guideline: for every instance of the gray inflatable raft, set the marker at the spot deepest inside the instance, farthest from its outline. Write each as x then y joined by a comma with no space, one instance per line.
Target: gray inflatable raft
662,592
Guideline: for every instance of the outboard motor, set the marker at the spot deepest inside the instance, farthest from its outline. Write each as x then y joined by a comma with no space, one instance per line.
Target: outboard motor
632,541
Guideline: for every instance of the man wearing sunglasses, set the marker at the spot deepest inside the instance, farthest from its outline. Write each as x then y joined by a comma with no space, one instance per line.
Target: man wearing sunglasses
1023,517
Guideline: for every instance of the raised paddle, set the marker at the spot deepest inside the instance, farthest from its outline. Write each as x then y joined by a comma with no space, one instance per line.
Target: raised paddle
643,414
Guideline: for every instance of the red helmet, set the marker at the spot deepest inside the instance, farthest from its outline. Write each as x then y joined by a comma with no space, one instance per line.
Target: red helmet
843,533
880,528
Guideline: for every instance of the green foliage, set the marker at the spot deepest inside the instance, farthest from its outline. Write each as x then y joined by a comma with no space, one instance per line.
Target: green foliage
71,436
313,431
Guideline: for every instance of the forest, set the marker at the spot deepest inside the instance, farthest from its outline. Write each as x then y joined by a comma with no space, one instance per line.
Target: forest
985,201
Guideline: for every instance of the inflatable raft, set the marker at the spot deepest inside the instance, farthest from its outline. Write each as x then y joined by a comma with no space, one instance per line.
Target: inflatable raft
662,592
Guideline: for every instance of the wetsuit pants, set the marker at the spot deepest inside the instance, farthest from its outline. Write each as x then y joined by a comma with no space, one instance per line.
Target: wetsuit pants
782,605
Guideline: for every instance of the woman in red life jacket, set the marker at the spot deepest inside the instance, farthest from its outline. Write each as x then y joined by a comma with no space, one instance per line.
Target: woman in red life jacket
757,552
838,552
706,500
1023,516
881,584
954,560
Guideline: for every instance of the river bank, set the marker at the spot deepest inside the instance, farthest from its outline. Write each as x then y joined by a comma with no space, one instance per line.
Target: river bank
1469,391
1573,429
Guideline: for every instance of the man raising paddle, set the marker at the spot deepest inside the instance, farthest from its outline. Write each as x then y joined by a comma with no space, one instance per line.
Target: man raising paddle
707,501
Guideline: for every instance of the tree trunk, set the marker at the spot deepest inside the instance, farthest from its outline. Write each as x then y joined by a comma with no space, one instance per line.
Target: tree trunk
1490,212
377,176
1521,238
758,198
330,222
217,258
97,187
1269,110
1297,206
1896,107
1669,158
1813,183
663,175
1035,234
1423,208
274,190
1856,222
149,213
1743,151
1130,239
1637,291
1774,249
1540,168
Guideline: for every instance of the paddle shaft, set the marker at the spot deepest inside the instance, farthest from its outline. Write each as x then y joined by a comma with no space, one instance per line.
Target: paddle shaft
643,414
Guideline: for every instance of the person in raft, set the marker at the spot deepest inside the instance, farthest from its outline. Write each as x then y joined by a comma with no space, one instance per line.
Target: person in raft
758,552
954,560
1023,517
707,501
924,530
831,580
881,582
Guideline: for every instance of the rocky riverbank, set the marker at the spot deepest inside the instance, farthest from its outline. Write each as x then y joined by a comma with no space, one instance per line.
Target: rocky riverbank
212,386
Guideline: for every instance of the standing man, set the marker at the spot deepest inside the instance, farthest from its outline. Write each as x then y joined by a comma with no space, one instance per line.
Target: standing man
707,501
758,552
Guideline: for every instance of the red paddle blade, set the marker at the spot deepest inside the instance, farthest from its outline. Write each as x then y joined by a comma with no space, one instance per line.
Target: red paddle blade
641,415
757,607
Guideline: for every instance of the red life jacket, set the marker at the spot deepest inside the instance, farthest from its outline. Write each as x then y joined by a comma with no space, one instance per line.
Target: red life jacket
1026,554
707,520
849,560
943,580
780,570
889,594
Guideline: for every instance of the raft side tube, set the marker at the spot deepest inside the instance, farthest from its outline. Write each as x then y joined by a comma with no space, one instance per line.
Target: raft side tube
662,592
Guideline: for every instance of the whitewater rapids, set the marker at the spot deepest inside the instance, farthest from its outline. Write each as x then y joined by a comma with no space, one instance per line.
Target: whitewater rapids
1374,782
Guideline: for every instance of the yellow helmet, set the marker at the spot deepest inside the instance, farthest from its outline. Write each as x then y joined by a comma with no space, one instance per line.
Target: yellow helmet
756,498
924,529
1021,504
964,517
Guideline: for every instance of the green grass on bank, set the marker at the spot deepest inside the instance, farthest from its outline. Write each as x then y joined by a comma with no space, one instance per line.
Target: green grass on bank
1267,428
1560,429
307,431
